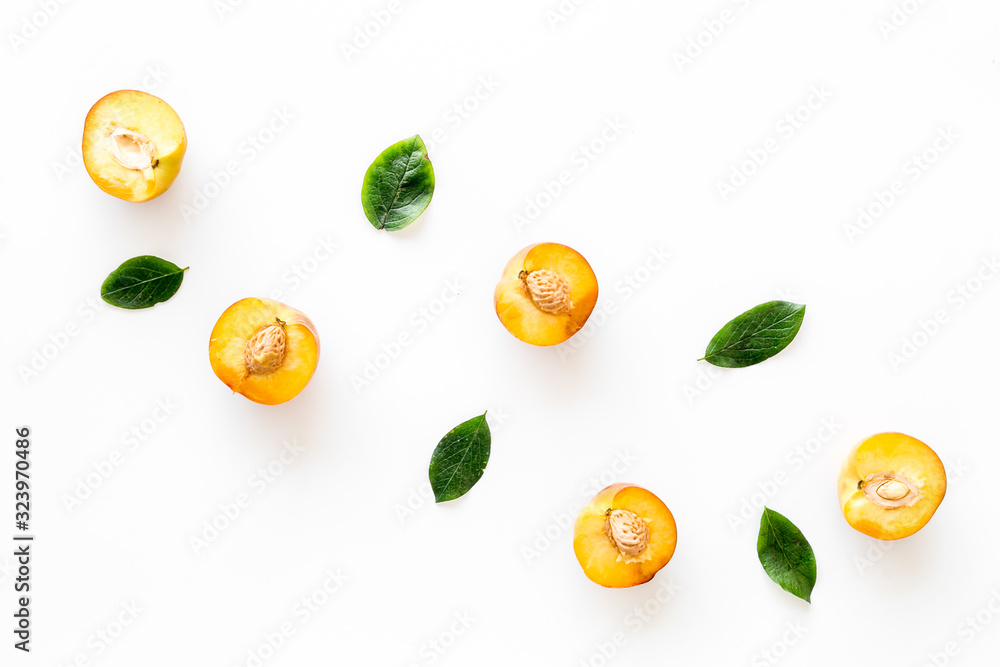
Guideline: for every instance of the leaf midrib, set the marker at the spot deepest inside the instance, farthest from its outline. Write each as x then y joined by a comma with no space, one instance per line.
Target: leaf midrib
789,568
143,282
729,345
399,186
455,469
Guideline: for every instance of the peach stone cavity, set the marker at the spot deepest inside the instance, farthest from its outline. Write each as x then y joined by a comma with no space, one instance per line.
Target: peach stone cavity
890,490
548,291
265,351
630,534
131,149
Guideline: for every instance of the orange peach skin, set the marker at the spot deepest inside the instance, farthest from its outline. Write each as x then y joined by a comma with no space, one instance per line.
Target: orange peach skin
238,324
902,454
597,553
519,314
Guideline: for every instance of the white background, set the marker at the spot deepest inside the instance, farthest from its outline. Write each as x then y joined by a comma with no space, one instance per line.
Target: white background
705,441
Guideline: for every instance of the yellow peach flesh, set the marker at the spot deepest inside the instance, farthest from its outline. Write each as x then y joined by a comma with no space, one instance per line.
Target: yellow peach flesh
601,559
133,145
890,486
228,347
521,314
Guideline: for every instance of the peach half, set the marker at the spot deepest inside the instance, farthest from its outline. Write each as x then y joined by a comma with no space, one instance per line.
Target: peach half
133,145
624,536
265,350
890,486
546,293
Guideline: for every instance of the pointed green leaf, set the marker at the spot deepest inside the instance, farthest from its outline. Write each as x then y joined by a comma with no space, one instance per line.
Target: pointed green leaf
460,459
756,335
142,282
398,185
786,555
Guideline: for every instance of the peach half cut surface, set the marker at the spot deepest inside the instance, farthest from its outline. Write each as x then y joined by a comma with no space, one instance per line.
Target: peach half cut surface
624,536
546,293
890,486
133,145
265,350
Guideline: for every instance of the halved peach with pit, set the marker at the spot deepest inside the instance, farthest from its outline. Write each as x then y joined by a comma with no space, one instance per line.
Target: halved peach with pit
133,145
265,350
546,293
890,486
624,536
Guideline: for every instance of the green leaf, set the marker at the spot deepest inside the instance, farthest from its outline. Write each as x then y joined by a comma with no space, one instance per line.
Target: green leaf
399,185
460,458
756,335
786,555
142,282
